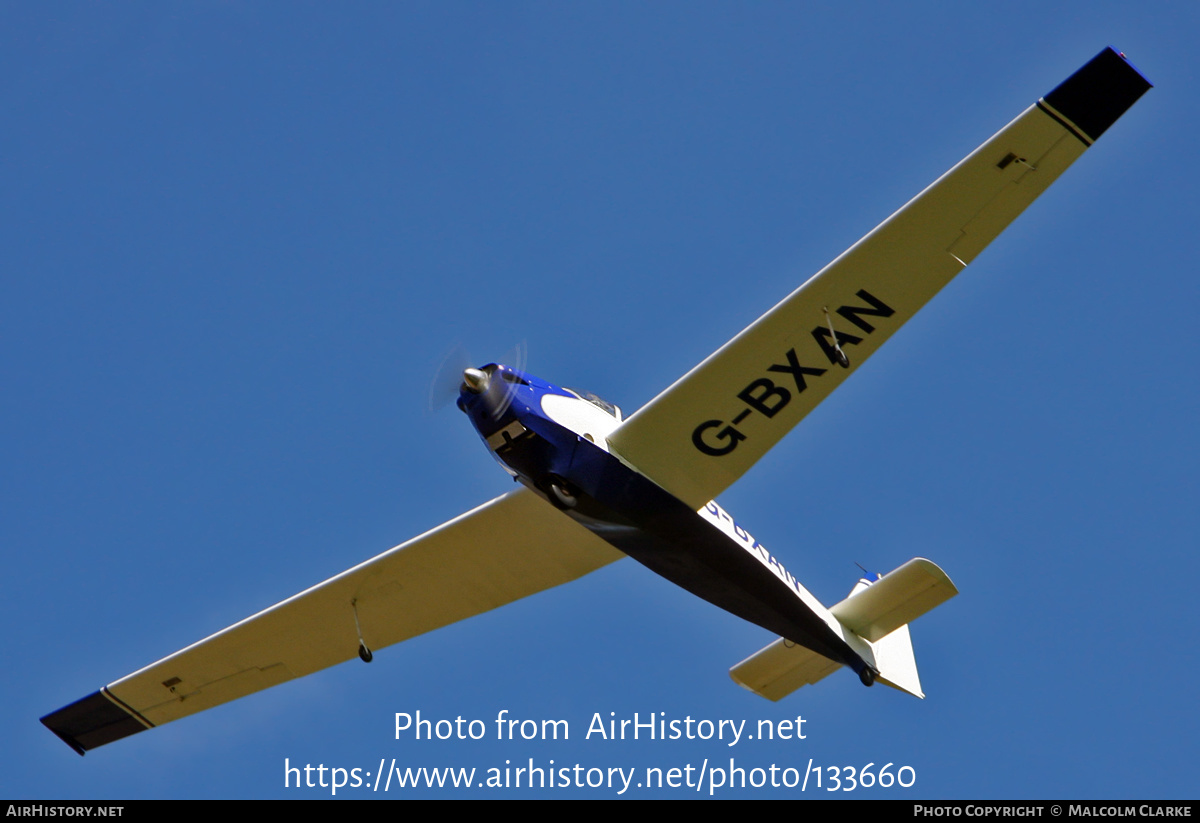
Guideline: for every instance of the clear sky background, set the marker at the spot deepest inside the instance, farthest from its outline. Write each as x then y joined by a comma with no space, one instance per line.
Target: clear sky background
239,237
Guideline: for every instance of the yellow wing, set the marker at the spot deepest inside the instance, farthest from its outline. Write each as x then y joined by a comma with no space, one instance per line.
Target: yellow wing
706,430
512,547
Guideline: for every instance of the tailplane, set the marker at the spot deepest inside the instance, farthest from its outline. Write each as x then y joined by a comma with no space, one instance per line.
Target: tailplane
873,620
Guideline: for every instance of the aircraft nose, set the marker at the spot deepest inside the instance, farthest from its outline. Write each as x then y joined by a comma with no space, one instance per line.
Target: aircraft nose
475,380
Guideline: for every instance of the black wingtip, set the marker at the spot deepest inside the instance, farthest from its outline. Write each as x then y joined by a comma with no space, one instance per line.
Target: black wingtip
1094,97
93,721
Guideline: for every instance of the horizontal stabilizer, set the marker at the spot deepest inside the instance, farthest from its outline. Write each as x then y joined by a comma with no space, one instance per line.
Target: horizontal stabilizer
878,612
897,598
782,667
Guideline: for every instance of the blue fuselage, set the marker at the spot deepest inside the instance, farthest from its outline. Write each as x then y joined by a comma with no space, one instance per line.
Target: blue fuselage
571,468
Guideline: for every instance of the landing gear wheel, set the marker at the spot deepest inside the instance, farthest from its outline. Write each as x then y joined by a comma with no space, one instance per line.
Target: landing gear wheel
560,496
867,676
364,653
842,359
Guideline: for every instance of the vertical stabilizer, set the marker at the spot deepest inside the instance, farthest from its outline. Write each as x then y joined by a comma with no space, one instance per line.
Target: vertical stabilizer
896,663
874,620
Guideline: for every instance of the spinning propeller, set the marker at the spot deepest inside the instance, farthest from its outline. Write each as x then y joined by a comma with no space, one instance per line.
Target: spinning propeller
456,374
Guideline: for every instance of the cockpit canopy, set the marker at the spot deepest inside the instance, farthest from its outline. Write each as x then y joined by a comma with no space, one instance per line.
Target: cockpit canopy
596,400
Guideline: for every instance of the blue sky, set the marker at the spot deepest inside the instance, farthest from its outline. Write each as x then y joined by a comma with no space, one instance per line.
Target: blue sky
239,238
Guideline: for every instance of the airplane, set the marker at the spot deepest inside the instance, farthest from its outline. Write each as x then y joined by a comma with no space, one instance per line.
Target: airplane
595,486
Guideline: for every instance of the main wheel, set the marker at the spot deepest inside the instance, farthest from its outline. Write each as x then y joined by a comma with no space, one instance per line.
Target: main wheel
867,676
364,653
560,496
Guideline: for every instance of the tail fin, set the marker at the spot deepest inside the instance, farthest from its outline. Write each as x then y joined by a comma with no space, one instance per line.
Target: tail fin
896,664
880,611
874,620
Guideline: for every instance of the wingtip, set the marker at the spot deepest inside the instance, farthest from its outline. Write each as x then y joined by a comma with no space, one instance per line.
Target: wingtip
61,735
1095,97
92,721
